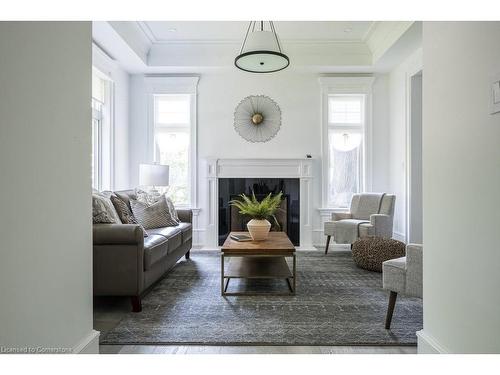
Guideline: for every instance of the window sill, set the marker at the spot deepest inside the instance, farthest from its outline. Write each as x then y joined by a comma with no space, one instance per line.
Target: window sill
195,210
333,209
328,210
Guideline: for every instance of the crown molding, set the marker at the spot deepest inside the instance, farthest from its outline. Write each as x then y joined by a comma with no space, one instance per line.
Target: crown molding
382,36
149,34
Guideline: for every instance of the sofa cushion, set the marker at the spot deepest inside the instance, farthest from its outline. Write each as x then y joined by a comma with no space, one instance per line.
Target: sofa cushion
165,231
366,230
155,248
187,231
173,234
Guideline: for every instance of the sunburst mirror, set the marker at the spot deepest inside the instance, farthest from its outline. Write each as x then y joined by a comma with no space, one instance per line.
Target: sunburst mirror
257,118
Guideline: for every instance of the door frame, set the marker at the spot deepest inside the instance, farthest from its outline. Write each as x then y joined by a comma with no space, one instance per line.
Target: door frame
415,70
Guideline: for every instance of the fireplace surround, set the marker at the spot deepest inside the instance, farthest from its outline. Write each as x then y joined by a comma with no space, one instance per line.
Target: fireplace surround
288,216
298,172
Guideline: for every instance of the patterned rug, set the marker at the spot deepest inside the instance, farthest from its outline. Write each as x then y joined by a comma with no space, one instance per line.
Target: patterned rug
336,304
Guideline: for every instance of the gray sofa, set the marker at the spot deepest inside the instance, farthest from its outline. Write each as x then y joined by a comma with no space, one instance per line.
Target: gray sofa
126,263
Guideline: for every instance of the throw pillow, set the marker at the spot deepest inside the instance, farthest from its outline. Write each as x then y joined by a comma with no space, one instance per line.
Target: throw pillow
145,197
103,211
150,216
125,214
171,208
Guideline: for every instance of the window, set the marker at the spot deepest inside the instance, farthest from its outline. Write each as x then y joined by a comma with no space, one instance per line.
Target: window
172,142
345,134
98,97
96,128
101,131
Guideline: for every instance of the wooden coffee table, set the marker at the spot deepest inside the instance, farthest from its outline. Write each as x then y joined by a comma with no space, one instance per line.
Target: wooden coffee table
258,260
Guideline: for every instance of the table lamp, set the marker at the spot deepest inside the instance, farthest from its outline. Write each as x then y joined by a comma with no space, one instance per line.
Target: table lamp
153,175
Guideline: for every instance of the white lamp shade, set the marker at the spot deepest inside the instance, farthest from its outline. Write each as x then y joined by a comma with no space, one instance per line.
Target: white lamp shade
261,41
153,175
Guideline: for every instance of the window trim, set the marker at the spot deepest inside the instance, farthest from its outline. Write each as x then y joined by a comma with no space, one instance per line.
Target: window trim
97,148
107,121
346,86
172,85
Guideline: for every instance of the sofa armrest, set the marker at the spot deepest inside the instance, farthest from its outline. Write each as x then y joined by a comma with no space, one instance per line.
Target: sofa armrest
382,224
185,216
414,255
118,269
414,269
336,216
111,234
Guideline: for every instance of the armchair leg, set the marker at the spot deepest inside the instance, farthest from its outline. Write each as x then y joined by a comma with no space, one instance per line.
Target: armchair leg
136,303
187,255
327,244
390,309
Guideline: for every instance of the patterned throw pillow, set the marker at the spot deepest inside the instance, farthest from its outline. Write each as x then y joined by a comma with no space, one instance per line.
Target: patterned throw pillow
145,197
171,208
125,214
150,216
103,211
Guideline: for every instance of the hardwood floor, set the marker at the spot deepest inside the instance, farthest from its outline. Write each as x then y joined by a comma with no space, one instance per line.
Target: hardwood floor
196,349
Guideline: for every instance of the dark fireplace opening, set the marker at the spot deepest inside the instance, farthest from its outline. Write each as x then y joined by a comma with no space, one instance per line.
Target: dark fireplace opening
288,216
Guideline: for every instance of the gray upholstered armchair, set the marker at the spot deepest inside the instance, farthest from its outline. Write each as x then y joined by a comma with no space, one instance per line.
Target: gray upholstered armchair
403,276
371,214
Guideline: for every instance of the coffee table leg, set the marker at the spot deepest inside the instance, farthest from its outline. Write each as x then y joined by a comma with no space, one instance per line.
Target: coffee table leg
227,284
222,274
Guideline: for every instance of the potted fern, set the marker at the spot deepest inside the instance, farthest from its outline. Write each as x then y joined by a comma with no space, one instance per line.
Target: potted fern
260,212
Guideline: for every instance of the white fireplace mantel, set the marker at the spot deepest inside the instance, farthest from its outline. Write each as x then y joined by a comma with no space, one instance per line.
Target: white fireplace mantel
301,169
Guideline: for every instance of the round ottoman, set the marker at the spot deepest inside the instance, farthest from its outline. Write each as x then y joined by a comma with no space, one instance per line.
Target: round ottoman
369,253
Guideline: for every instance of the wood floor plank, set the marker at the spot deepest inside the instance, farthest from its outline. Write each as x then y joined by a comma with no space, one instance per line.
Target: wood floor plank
137,349
209,349
110,349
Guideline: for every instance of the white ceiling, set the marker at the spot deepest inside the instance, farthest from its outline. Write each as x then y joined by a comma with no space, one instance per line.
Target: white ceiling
213,31
159,47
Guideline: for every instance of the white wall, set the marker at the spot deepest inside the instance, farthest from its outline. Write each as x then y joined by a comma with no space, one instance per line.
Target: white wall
397,137
120,137
380,134
45,200
299,97
415,203
461,169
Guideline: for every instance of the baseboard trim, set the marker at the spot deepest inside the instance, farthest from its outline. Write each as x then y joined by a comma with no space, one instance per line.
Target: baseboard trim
89,344
399,236
429,345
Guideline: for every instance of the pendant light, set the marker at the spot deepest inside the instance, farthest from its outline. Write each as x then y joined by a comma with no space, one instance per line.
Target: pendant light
261,50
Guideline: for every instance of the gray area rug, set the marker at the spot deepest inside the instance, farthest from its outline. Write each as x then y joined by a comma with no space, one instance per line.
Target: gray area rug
336,304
